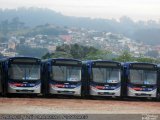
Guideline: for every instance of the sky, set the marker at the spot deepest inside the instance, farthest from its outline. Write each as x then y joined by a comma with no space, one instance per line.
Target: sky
135,9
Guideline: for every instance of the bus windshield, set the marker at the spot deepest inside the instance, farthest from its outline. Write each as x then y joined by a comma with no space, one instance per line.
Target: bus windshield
24,72
66,73
143,77
106,75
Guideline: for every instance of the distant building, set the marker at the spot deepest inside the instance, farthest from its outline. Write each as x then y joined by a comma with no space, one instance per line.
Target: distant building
66,38
12,45
51,48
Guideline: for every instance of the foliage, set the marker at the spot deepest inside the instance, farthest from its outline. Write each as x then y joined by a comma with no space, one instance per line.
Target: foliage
90,53
57,54
126,57
28,51
102,55
76,51
47,29
7,27
146,59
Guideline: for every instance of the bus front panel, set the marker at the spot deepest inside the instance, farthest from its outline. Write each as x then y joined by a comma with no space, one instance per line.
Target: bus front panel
24,78
142,83
65,80
105,79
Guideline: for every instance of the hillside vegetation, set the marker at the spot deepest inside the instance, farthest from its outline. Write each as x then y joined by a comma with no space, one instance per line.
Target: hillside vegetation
76,51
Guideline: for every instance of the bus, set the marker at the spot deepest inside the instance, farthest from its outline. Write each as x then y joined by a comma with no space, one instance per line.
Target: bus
158,82
141,79
23,75
64,76
1,77
104,78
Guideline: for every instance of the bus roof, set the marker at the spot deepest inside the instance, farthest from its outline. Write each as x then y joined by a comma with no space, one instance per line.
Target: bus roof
64,59
109,61
23,60
140,65
144,63
26,57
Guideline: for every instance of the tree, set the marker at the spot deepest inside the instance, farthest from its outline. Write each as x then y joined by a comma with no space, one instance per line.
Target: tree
77,51
28,51
46,56
103,55
90,53
124,57
57,55
148,60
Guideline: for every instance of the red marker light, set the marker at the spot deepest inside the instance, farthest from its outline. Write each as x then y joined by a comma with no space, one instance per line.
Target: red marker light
59,85
100,87
16,84
137,89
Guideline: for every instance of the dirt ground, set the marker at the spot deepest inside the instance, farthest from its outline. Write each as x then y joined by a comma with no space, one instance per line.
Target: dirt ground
76,106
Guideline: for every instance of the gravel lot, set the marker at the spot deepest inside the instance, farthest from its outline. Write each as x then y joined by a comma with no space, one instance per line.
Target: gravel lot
76,106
